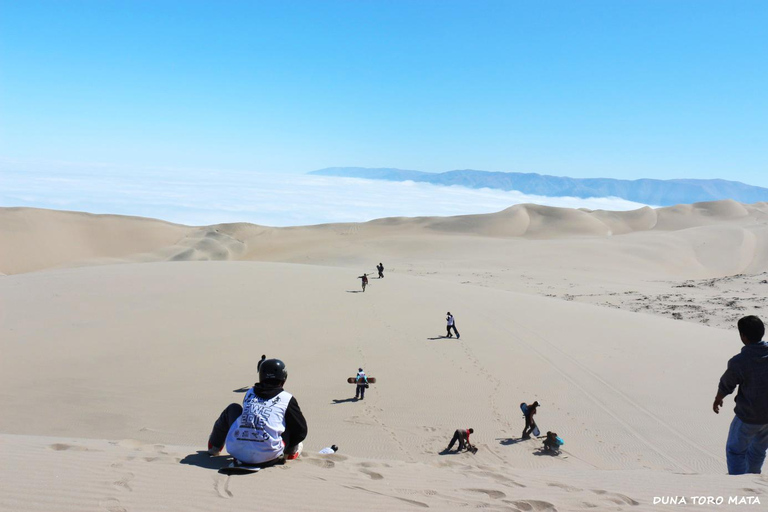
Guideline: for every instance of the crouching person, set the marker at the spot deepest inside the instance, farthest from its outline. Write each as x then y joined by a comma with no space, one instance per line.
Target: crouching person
268,428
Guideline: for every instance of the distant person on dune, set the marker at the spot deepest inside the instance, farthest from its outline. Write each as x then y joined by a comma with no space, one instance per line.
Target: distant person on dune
529,410
451,325
380,268
364,277
748,436
258,365
268,428
462,436
361,381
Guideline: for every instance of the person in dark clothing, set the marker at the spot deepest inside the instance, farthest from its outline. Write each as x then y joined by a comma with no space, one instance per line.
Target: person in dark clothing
361,381
364,278
552,443
748,436
530,423
268,428
258,365
451,325
380,268
462,436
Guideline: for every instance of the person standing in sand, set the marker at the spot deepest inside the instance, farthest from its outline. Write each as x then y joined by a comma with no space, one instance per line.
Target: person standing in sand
258,365
364,277
268,428
748,436
451,325
361,381
530,423
380,268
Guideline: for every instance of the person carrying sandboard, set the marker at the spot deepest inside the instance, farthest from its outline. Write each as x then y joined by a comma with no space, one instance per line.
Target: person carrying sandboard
362,384
529,411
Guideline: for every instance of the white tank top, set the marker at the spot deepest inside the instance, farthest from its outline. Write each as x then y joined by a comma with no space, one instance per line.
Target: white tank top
256,436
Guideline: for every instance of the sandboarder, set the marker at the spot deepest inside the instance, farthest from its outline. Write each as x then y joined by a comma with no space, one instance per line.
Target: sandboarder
530,424
328,450
462,436
258,365
268,428
380,268
362,384
553,443
748,436
451,325
364,277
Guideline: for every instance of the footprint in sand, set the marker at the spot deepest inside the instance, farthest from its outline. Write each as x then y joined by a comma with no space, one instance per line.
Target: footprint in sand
566,488
490,492
618,499
124,482
321,463
532,505
374,475
112,505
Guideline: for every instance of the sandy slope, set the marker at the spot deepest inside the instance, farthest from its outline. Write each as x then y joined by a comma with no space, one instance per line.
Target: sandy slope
111,375
148,355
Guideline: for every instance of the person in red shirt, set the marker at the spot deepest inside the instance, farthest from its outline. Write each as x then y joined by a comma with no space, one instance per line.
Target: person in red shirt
462,436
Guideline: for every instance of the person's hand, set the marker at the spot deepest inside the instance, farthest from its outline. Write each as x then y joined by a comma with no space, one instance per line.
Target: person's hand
717,405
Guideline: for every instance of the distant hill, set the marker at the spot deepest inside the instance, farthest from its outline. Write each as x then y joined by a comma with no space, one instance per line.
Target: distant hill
646,191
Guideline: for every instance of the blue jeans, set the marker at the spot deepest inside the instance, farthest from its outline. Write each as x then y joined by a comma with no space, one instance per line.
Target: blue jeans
746,446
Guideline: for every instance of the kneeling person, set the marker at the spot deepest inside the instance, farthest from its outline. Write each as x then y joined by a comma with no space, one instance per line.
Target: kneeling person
268,428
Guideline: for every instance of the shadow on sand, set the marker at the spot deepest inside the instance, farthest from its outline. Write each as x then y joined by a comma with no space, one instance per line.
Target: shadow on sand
440,338
508,441
344,400
354,291
202,459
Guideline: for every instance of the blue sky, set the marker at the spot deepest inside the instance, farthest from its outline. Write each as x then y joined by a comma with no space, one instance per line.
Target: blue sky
614,88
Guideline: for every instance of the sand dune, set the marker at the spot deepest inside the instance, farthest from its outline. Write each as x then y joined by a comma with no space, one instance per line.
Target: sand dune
112,374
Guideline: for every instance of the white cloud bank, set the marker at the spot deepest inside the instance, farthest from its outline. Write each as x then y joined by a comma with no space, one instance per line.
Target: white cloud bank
202,197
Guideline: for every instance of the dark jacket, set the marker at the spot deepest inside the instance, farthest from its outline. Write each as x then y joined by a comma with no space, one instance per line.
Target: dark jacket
748,370
295,424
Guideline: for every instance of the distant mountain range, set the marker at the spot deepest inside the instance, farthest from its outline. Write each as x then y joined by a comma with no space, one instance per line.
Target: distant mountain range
646,191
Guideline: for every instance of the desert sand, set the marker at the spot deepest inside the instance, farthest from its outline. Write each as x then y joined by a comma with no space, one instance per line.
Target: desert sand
122,339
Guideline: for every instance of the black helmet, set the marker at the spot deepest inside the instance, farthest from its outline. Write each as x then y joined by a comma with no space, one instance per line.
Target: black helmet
334,448
272,370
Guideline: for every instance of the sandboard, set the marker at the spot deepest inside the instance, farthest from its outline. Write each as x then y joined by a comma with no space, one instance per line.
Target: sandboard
371,380
239,468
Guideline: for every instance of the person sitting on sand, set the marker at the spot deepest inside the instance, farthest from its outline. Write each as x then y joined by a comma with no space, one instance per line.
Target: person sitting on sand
362,384
329,450
268,428
552,443
462,436
364,277
747,442
530,423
